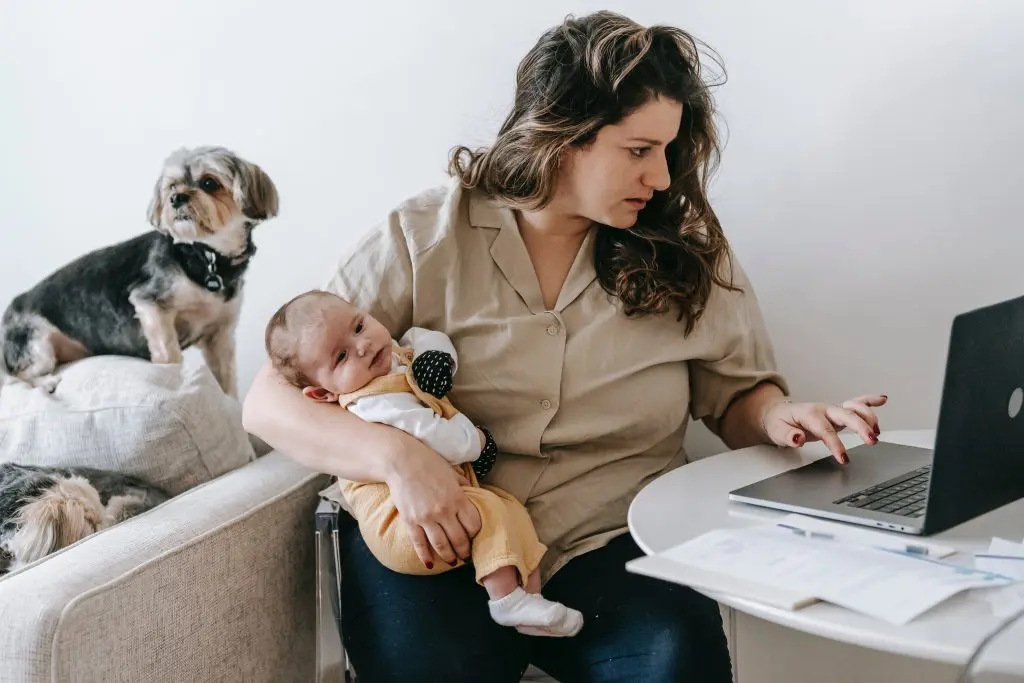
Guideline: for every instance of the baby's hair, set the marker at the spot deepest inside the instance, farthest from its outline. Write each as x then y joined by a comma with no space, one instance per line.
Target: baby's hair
282,334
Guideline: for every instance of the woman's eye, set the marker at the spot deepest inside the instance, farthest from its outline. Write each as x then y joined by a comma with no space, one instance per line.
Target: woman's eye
639,152
209,185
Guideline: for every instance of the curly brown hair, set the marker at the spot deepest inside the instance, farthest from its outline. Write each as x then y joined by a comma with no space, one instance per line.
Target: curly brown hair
594,71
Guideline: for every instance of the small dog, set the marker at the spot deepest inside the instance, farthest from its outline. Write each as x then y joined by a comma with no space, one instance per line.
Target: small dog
156,294
44,509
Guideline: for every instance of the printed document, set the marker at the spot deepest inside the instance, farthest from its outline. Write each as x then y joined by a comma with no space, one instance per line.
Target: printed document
887,584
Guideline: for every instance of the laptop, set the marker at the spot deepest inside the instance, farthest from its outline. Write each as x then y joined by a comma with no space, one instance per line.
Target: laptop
976,465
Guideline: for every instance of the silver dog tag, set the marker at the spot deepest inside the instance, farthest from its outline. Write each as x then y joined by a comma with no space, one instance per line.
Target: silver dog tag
213,281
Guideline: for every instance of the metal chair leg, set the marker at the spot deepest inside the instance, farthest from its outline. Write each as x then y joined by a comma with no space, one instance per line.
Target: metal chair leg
328,587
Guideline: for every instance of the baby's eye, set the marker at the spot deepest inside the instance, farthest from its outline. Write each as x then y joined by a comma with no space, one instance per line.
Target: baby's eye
341,356
359,328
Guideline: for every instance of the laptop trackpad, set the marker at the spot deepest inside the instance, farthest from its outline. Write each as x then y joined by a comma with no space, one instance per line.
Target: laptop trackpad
825,480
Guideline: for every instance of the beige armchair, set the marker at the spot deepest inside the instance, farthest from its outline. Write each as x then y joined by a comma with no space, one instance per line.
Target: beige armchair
217,584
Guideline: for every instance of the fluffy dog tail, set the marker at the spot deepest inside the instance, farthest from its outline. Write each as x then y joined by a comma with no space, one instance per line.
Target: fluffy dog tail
65,513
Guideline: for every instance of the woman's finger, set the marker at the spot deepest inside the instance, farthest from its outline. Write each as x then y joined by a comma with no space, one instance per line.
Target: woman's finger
421,546
457,537
865,413
439,542
469,518
785,434
840,416
818,425
873,400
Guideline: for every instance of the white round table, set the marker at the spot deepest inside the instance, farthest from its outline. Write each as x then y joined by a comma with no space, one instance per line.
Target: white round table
694,499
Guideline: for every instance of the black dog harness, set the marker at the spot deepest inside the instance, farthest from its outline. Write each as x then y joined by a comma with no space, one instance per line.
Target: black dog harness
210,268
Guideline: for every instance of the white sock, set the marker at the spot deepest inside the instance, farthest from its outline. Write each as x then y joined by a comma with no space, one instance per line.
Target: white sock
535,615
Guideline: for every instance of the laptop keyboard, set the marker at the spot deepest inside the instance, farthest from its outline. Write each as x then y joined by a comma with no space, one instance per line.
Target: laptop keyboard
903,495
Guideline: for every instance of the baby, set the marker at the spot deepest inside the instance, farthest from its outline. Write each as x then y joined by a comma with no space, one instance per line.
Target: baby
335,352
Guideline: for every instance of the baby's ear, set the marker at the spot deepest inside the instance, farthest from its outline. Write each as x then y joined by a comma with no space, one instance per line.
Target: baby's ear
320,394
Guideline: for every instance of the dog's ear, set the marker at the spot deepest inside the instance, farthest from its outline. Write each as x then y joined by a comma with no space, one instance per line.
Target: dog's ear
255,193
156,207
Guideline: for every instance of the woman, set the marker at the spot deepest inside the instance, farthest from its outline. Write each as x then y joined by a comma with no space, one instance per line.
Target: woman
586,283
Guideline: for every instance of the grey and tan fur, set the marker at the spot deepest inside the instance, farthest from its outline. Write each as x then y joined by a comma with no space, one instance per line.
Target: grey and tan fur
156,294
44,509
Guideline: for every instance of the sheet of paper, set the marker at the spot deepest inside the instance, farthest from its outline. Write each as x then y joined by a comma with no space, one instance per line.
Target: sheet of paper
1001,565
887,585
1004,601
850,533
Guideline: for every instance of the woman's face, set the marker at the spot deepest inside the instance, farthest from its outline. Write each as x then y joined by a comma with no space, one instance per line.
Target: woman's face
610,181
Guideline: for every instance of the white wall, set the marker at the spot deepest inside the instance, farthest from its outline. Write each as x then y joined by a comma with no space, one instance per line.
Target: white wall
872,182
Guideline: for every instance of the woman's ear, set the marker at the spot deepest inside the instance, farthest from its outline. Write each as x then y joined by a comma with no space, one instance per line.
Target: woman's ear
320,394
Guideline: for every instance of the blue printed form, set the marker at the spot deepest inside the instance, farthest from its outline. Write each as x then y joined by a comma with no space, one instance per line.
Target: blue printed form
887,584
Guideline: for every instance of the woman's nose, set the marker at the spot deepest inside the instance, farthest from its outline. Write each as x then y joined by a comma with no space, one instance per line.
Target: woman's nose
658,176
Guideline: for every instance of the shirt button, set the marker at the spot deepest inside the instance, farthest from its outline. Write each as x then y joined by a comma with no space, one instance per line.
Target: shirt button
545,404
552,330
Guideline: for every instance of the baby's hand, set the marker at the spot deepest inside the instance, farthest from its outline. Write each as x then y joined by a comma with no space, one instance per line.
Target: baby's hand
488,454
432,371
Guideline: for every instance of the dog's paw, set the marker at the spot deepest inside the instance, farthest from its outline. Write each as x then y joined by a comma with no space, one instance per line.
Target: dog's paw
49,384
120,508
165,357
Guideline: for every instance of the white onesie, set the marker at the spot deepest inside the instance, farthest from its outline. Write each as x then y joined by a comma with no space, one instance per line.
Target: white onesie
457,439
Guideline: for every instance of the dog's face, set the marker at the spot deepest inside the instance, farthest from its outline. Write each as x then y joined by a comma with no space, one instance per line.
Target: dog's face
208,194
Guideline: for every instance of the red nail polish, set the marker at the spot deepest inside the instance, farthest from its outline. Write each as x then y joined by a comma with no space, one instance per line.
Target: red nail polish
846,459
430,565
453,562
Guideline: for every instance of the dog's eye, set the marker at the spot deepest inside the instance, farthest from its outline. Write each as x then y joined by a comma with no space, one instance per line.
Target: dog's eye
209,185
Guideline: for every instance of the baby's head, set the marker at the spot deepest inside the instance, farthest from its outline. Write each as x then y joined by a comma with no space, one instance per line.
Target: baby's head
326,346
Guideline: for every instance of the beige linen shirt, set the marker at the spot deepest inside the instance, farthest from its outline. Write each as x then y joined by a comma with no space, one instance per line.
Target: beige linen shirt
586,405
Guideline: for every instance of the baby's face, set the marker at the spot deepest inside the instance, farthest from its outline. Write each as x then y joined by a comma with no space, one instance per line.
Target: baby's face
347,350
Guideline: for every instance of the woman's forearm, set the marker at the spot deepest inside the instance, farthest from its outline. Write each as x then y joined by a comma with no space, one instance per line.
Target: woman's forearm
320,436
741,426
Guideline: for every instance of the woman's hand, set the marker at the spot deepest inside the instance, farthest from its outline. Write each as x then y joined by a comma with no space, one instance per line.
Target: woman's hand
438,517
791,424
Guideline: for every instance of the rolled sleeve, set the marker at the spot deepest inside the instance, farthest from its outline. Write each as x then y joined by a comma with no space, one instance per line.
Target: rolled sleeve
422,340
457,439
376,275
740,355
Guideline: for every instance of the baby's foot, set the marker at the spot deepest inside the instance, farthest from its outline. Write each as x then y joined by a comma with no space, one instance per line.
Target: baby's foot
535,615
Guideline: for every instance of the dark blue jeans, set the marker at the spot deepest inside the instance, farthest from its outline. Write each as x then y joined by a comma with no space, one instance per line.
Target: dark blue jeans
410,629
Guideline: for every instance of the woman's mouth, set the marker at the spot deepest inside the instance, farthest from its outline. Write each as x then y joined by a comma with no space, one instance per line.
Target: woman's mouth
637,204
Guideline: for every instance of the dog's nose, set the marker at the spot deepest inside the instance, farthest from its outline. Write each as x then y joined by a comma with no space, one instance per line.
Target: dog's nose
178,200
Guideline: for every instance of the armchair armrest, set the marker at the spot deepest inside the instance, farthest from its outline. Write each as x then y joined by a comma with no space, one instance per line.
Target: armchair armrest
216,584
